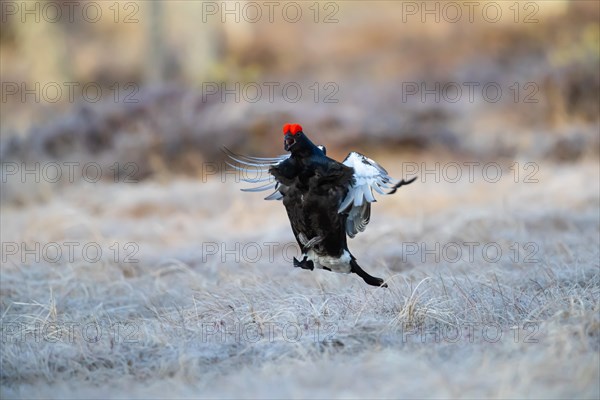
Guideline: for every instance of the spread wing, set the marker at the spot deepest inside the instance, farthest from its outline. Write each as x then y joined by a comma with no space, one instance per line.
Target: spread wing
258,168
368,175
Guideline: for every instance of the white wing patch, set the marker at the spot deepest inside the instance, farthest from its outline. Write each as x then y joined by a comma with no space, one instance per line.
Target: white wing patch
368,175
259,167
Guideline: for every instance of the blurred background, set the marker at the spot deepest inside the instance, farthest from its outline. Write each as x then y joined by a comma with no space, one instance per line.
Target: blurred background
113,114
164,84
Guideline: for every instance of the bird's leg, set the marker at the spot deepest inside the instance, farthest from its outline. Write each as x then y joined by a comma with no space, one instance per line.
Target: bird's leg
309,244
313,242
303,239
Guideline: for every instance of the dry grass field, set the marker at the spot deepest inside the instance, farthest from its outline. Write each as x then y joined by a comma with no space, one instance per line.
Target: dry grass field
209,305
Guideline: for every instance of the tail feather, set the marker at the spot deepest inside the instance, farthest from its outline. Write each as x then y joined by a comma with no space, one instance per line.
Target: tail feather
369,279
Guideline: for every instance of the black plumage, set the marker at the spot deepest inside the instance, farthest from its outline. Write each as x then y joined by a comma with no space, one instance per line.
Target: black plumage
325,200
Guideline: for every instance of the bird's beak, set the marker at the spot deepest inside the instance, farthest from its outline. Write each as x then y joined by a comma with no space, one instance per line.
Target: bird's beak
288,142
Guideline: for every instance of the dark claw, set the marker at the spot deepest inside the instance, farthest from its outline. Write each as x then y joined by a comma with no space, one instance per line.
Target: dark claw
304,264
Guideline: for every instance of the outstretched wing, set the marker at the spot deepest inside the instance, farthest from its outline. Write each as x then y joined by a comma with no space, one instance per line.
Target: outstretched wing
368,175
258,167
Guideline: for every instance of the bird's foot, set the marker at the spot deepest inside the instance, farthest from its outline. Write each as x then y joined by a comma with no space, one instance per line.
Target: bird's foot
304,264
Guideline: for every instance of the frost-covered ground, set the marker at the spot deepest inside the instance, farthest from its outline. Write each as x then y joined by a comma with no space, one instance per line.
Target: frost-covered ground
494,291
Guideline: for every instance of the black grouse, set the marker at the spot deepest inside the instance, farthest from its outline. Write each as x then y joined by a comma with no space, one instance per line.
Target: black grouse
325,200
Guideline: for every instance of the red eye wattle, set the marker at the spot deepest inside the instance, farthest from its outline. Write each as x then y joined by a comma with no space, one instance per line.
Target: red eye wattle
286,128
295,128
292,128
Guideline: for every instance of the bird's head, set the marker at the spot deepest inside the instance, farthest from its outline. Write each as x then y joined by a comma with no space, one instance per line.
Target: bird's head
295,141
292,136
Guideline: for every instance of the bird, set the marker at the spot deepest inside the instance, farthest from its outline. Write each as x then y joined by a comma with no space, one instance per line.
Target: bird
326,201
